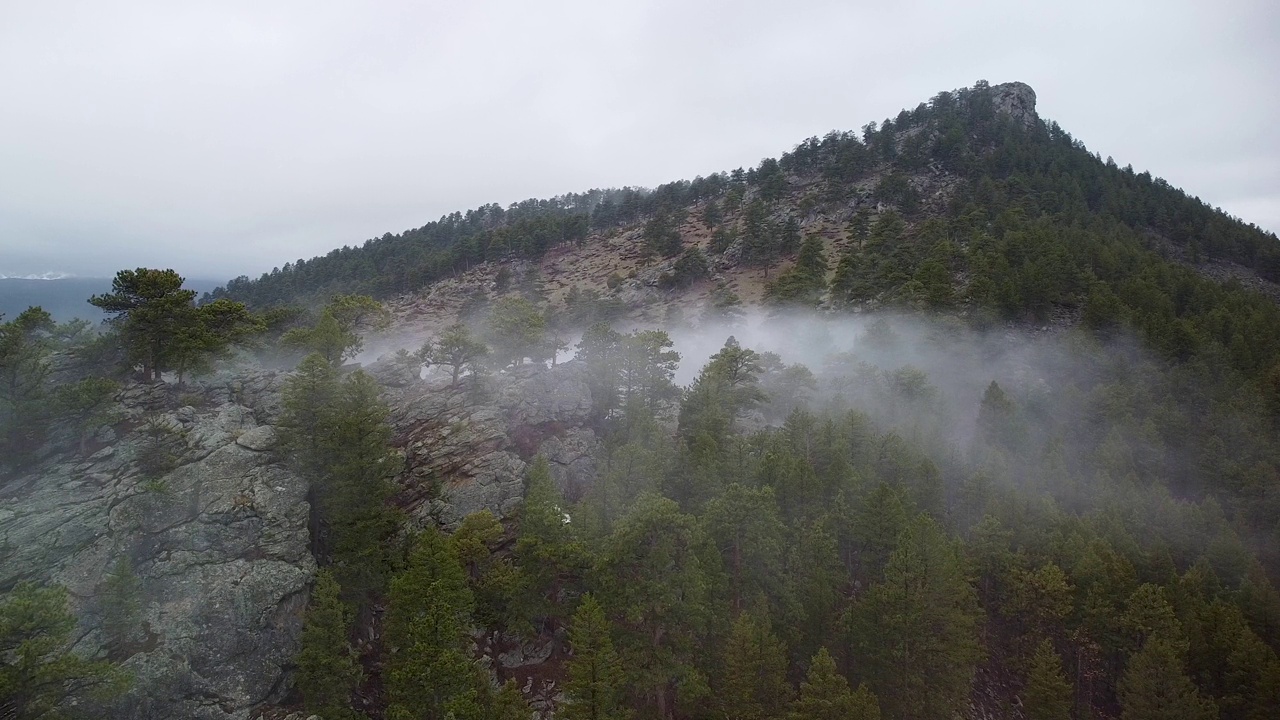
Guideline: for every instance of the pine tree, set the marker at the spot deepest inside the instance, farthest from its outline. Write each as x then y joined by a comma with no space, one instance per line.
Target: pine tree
305,423
651,572
327,669
743,524
39,670
1047,695
825,695
150,308
456,348
548,550
355,496
596,686
515,330
508,703
429,674
917,630
1155,687
755,684
121,602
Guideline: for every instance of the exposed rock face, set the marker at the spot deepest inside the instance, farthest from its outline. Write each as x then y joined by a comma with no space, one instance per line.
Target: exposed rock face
573,459
217,539
1017,100
466,452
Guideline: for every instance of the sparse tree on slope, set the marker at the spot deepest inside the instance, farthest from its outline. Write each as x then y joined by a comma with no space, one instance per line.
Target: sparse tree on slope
327,667
39,671
516,330
456,348
151,310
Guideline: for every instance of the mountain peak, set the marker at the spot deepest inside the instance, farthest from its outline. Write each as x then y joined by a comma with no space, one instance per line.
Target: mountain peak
1017,99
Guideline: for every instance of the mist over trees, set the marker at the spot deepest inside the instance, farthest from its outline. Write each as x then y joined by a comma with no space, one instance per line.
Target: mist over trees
885,493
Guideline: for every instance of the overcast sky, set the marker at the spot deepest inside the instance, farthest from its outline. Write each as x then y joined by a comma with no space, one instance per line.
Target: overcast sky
233,137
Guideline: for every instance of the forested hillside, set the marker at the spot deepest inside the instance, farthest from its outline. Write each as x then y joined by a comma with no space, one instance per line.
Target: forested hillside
945,418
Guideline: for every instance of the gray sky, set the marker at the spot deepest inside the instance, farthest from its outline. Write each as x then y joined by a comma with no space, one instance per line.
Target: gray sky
228,137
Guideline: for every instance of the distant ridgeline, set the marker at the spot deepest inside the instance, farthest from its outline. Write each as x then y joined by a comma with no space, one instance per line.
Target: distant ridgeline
1011,164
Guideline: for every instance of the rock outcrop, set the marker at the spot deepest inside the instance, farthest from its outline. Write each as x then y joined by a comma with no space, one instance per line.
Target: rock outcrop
1017,100
467,449
189,502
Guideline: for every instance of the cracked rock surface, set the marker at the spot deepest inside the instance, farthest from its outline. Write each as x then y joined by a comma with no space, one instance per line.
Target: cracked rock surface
217,539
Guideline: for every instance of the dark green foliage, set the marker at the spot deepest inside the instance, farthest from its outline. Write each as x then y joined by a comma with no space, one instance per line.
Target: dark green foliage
120,602
162,328
429,675
327,669
651,575
691,267
661,236
1047,695
25,346
161,447
335,336
39,671
547,549
151,309
630,373
515,331
754,685
595,689
743,525
825,695
918,628
456,348
508,704
804,283
336,434
86,405
496,582
1155,687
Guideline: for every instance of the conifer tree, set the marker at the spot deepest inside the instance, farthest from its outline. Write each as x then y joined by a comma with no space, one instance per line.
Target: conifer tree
755,684
508,703
596,686
1047,695
429,674
917,630
121,603
327,669
456,348
150,308
305,423
825,695
515,330
39,670
1155,687
743,524
356,494
652,573
548,550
